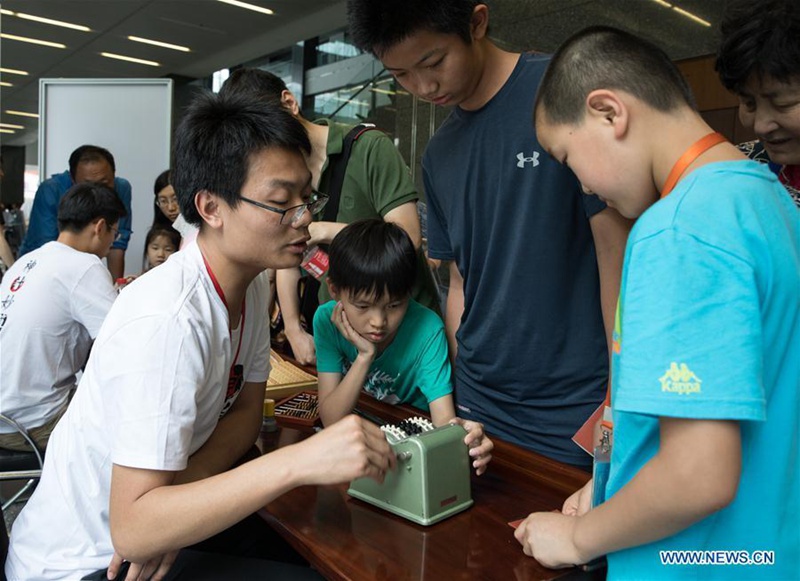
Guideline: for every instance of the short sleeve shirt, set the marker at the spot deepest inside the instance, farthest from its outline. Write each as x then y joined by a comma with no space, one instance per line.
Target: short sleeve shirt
708,327
413,369
154,389
532,361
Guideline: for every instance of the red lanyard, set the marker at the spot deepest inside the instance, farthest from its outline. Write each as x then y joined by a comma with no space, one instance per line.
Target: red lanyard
221,294
689,156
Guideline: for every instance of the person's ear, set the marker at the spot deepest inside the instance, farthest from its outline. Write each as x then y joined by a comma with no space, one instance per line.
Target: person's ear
606,107
479,23
332,289
290,102
99,228
208,206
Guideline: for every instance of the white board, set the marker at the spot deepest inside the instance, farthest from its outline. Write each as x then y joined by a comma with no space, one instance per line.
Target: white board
132,118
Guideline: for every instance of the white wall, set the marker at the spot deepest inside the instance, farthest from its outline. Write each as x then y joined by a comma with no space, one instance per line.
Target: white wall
132,118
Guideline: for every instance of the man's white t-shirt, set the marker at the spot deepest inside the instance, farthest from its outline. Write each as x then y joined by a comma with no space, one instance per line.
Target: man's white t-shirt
52,304
153,391
187,231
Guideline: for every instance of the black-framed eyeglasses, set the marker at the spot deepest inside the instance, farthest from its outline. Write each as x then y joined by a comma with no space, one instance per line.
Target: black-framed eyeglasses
117,233
295,213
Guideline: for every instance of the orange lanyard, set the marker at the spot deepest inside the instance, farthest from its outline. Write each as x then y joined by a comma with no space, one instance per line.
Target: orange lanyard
689,156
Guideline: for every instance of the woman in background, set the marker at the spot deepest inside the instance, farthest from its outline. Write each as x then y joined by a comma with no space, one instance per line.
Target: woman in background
759,60
165,204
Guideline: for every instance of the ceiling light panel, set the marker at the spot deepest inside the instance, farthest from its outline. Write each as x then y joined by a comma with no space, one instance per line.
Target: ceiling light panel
32,40
247,6
159,43
13,71
53,22
22,113
691,16
130,59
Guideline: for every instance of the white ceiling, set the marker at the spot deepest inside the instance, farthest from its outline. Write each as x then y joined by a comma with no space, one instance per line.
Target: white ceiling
219,35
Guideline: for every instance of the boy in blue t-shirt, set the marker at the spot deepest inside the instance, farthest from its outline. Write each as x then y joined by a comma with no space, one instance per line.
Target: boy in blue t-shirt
706,405
375,337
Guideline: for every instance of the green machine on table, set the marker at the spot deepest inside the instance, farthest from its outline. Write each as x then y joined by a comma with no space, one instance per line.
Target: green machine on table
432,479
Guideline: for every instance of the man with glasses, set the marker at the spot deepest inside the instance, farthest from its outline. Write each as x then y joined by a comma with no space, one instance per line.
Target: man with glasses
172,395
375,183
88,163
52,303
294,215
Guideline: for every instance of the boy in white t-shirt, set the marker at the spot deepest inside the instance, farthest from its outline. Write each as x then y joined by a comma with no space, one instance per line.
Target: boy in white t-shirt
52,303
172,396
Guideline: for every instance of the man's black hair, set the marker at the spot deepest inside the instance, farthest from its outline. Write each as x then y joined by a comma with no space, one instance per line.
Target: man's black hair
374,258
759,37
216,140
89,153
86,202
602,57
249,81
378,25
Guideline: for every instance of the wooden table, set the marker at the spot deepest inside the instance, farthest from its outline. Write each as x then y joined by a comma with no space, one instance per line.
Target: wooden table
345,538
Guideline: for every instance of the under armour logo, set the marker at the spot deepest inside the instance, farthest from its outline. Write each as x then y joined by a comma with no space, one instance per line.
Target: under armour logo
522,160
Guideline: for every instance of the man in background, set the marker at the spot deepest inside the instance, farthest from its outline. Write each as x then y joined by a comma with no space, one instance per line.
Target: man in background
52,304
88,163
374,182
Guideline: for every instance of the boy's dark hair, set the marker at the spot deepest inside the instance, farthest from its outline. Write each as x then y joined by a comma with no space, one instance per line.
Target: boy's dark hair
216,139
374,258
378,25
254,82
156,230
84,203
88,153
759,37
601,57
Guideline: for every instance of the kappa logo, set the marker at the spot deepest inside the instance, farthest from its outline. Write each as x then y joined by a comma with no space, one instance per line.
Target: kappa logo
680,380
533,159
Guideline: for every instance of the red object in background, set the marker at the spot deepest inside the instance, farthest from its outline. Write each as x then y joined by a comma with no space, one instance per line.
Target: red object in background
315,262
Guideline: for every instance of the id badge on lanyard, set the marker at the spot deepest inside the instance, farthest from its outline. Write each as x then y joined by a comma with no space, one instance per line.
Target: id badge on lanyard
602,461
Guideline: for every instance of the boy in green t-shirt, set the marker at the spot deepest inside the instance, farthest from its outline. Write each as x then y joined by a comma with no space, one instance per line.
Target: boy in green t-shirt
375,337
